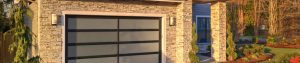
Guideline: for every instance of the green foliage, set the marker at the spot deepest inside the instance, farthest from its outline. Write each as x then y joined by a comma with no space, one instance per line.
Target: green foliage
230,45
267,50
246,59
286,58
249,30
21,34
230,51
248,12
254,56
192,54
249,18
35,59
271,39
252,49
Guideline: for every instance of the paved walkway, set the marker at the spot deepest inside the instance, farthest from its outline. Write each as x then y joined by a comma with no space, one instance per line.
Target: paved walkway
205,58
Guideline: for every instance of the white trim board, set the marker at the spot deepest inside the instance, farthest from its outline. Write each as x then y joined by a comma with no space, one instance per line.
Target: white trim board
163,23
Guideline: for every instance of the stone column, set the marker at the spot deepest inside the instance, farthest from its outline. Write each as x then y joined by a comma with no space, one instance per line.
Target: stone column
218,31
183,31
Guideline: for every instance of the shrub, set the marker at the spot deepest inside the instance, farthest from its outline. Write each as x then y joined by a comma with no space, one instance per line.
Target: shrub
252,49
249,30
192,54
271,40
267,50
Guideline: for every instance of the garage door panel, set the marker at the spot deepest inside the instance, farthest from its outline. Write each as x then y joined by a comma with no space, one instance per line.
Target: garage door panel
92,23
95,60
91,50
84,37
112,39
151,58
138,48
139,23
139,36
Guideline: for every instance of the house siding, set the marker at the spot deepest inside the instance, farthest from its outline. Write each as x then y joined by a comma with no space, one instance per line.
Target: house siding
201,9
177,37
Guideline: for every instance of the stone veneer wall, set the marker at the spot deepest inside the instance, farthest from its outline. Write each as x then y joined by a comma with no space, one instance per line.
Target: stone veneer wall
177,37
184,31
218,31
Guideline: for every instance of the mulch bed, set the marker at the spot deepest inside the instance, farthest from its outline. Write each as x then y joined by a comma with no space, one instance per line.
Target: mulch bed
260,58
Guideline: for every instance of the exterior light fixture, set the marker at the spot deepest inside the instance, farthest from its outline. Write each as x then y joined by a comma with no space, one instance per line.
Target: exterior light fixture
16,1
172,21
54,19
263,27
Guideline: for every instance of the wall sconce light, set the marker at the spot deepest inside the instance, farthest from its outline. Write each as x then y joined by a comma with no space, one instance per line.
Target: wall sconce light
16,1
172,21
54,19
263,27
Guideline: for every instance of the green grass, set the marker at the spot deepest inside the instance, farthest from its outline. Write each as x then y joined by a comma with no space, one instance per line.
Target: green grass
278,52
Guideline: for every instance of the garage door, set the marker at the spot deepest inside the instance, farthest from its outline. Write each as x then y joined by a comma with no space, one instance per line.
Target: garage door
112,39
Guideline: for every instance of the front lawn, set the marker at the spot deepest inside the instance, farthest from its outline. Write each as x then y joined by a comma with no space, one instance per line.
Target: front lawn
279,52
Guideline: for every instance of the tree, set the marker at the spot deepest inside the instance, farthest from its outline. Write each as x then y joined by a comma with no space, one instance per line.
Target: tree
231,18
20,33
272,17
192,54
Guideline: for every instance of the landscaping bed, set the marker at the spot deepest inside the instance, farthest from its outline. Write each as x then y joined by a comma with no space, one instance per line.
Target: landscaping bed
278,53
251,53
252,58
296,46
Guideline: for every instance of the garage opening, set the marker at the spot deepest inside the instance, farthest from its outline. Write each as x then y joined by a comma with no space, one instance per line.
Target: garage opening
112,39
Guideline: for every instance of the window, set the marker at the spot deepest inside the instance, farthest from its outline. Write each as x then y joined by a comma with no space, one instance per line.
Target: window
94,39
203,29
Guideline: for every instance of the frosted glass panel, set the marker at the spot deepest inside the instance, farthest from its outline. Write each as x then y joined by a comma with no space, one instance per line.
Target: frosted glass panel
95,60
139,36
81,37
90,50
139,23
92,23
139,48
151,58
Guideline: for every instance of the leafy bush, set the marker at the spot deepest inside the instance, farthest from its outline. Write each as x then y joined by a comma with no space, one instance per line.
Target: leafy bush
252,49
230,46
271,40
249,30
267,50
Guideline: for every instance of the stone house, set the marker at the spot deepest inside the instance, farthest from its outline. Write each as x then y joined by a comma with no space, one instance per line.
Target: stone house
126,31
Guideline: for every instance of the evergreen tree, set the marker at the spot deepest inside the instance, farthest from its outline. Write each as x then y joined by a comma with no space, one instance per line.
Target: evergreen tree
231,14
192,54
